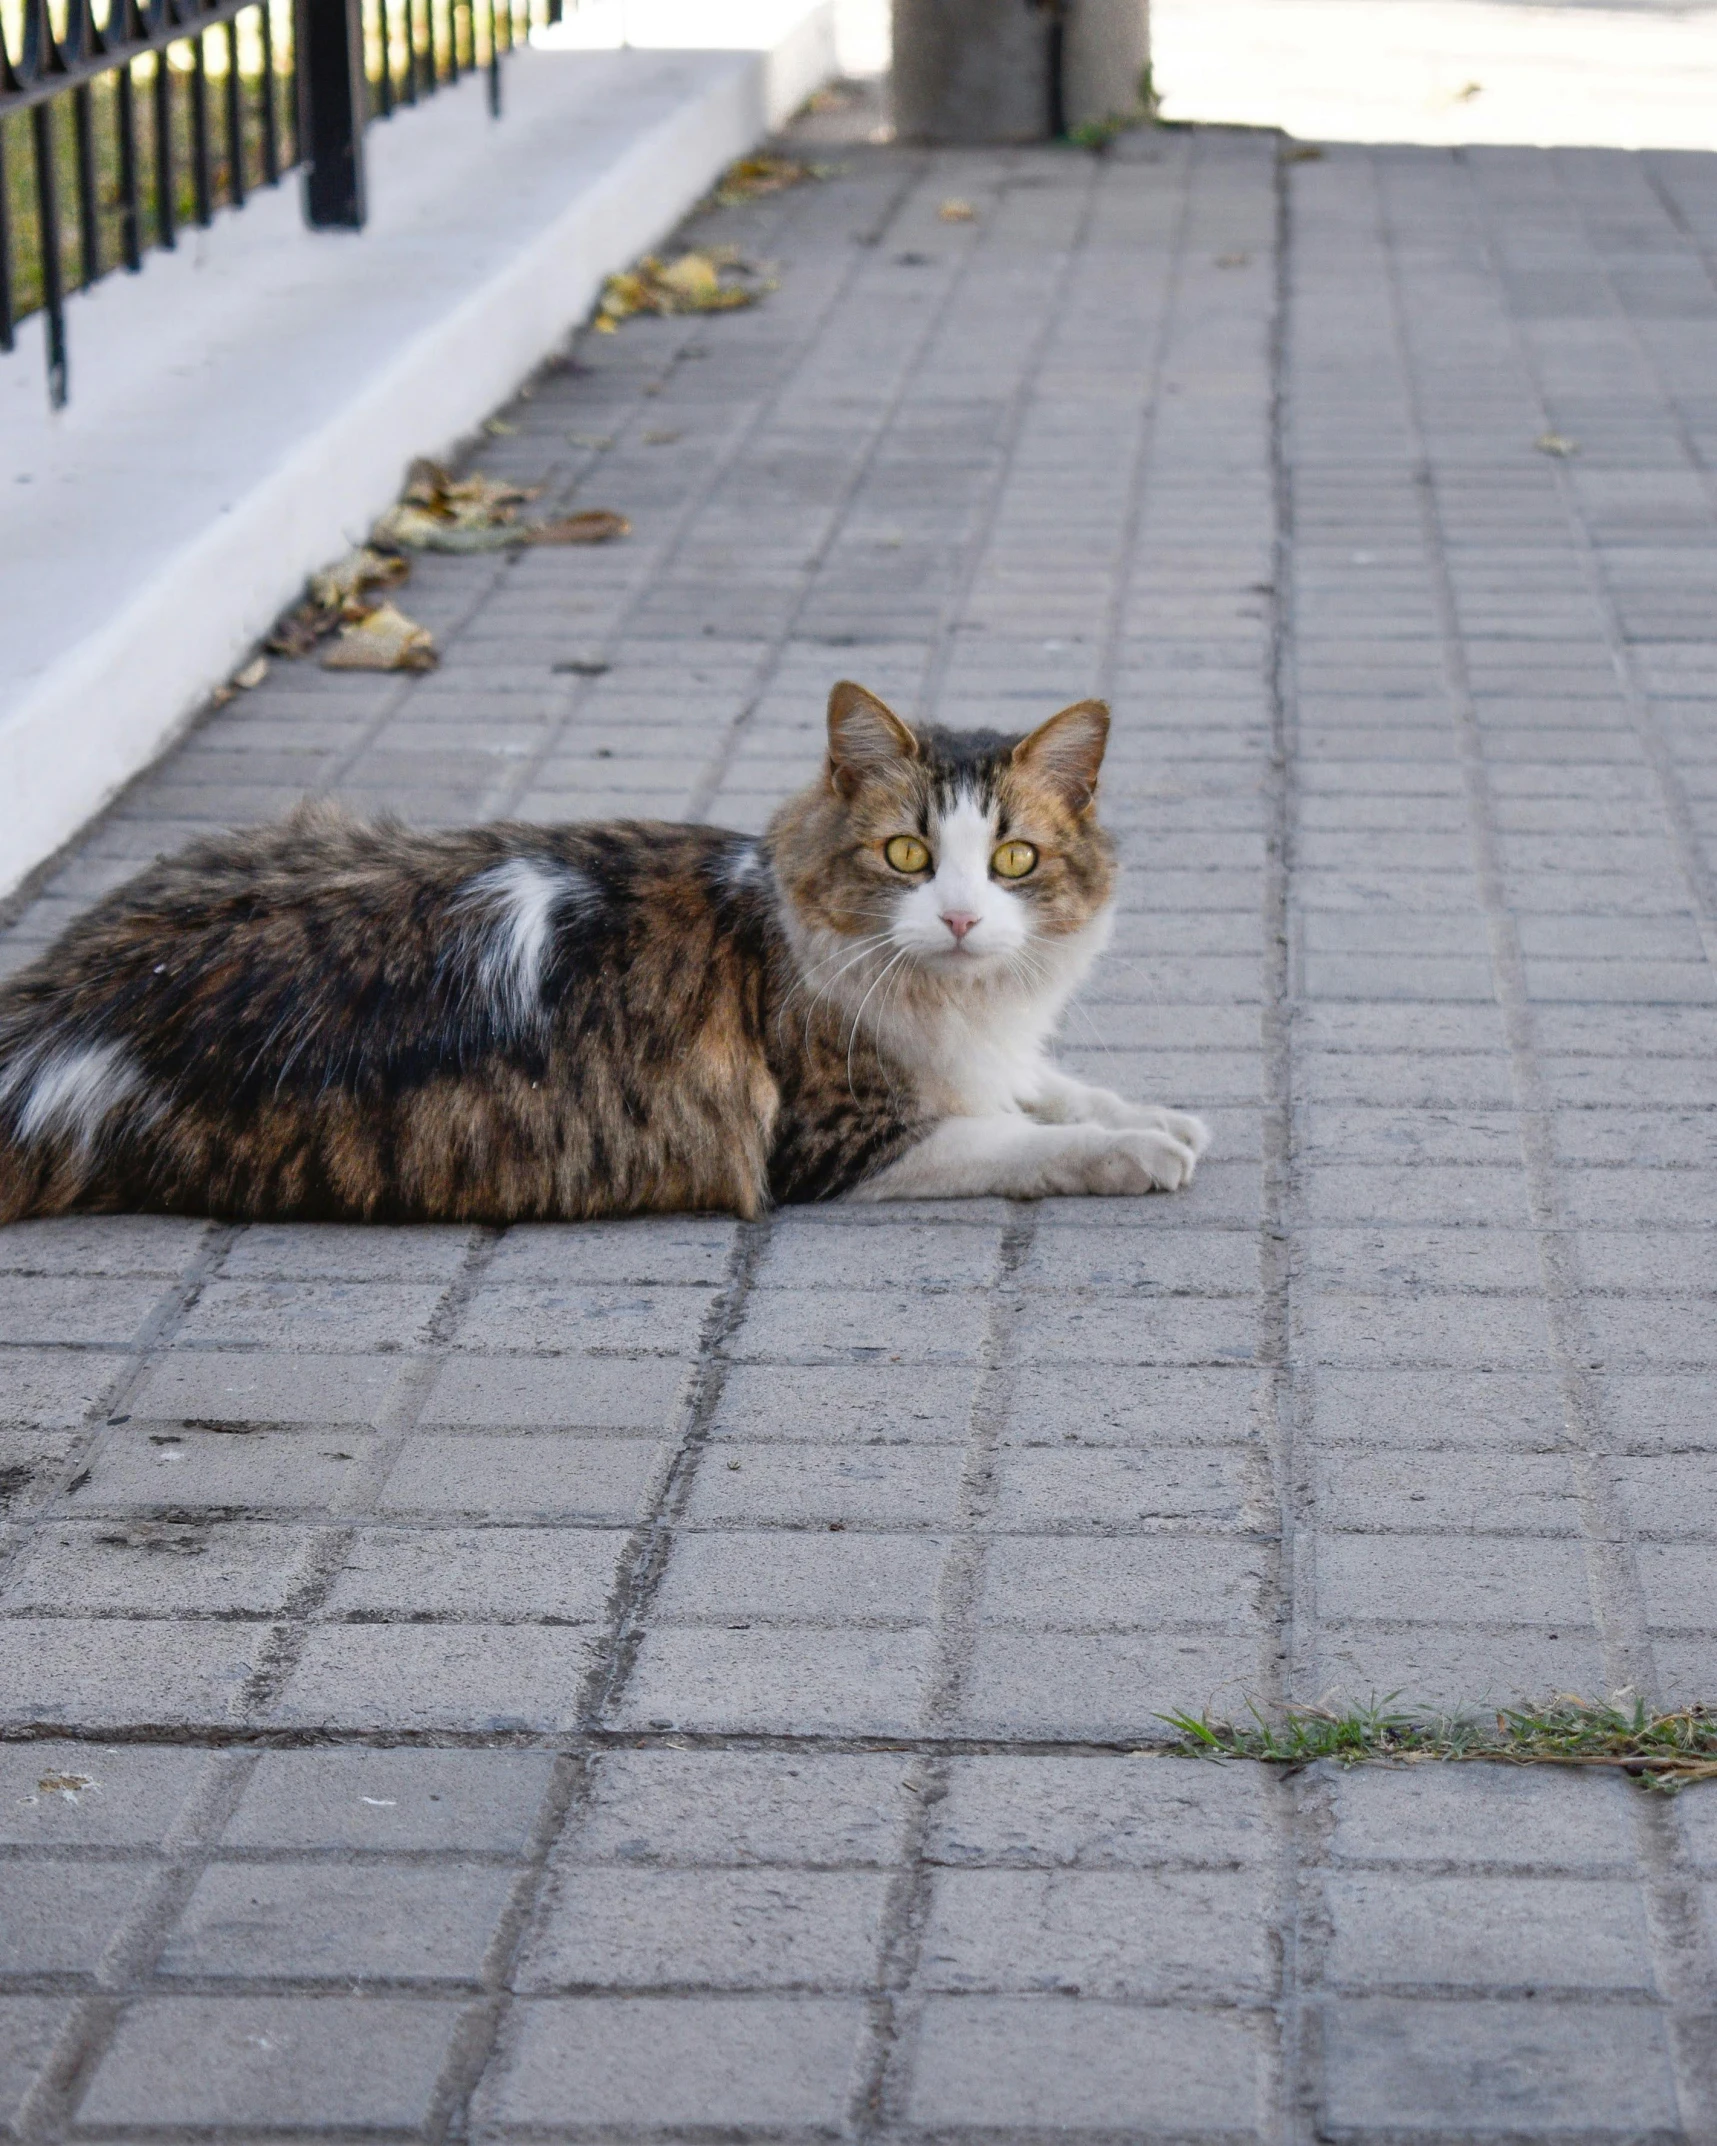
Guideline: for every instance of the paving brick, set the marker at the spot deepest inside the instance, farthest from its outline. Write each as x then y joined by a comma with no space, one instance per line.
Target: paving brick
61,1915
802,1577
318,1922
847,1326
547,1575
184,1471
158,1568
112,1672
1209,1486
533,1475
666,2061
492,1678
727,1929
869,1404
272,2062
1042,2062
741,1807
86,1795
1104,1684
73,1308
1602,2069
570,1317
400,1800
1133,1583
560,1392
891,1486
1137,1934
312,1314
1490,1932
790,1680
265,1387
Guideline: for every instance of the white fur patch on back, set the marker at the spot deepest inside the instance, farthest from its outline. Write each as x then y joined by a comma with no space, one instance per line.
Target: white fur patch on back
72,1092
520,899
743,866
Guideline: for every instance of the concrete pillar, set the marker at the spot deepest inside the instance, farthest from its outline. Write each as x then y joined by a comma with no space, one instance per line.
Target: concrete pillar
1008,70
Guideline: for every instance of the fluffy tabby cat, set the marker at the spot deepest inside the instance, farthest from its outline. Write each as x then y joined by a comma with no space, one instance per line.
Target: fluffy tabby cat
328,1018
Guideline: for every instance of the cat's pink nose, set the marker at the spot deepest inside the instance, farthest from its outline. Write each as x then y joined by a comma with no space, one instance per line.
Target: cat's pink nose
959,921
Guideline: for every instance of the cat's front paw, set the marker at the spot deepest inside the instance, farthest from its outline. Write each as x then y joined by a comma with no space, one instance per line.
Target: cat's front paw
1180,1125
1142,1161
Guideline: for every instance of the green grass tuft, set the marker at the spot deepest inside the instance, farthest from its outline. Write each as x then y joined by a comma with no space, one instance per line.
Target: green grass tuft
1661,1751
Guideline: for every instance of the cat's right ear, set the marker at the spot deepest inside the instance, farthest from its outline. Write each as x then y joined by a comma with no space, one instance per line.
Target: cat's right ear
865,738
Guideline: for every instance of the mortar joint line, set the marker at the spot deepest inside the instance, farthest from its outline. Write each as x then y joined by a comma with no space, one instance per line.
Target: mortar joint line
1301,1855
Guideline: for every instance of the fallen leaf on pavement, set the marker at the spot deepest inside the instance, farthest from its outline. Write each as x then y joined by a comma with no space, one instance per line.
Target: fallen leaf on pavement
253,673
1554,443
957,212
337,596
385,641
692,283
754,176
1302,153
596,525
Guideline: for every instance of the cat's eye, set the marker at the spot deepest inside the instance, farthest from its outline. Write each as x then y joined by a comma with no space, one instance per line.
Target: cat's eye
1014,860
906,853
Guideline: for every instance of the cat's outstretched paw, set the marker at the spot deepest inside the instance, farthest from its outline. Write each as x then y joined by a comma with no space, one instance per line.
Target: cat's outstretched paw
1180,1125
1143,1161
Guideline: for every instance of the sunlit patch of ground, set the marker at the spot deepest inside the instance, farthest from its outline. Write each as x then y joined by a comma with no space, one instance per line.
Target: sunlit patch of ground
1618,77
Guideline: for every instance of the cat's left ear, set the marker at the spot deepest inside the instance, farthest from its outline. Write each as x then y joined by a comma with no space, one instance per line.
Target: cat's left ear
1067,752
866,739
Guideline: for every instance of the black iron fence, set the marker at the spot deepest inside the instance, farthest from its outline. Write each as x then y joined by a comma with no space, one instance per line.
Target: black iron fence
121,121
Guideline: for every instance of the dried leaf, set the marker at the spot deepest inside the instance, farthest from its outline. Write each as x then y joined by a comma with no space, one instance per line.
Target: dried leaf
69,1785
1302,153
754,176
1553,443
690,284
596,525
385,641
253,673
954,211
338,595
498,428
664,437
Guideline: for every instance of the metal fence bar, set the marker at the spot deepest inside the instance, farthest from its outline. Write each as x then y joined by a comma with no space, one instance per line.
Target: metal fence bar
8,330
48,228
130,198
234,115
331,112
270,91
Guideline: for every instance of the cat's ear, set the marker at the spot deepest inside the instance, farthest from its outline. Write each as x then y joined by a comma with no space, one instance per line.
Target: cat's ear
1066,752
865,738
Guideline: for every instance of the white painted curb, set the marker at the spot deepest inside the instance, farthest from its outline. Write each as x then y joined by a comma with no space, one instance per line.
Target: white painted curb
244,409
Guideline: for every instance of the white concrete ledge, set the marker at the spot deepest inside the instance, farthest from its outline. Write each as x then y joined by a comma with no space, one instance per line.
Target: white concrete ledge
244,408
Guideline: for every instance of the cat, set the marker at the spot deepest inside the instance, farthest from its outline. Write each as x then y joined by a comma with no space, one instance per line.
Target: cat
335,1019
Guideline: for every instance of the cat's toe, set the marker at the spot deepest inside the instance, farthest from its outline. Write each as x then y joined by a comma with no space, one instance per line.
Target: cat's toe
1180,1125
1191,1132
1144,1162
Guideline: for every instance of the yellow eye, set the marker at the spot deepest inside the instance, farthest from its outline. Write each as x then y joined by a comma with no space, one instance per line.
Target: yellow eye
1014,860
906,853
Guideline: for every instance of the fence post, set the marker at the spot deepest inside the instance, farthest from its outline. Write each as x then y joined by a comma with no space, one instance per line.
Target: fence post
331,112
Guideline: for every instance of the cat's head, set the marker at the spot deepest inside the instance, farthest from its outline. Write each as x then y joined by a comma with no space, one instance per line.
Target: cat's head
967,853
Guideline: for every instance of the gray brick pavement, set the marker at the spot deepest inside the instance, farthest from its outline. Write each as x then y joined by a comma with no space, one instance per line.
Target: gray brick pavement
685,1680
